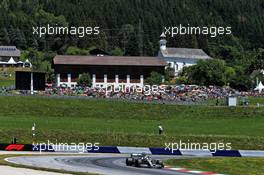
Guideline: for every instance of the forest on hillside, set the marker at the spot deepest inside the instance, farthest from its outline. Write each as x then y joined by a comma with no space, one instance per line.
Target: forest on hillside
134,27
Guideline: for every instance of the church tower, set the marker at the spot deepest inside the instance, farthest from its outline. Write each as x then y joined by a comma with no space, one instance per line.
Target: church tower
163,42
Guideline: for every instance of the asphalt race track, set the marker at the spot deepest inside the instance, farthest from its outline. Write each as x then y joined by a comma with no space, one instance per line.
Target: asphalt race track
93,163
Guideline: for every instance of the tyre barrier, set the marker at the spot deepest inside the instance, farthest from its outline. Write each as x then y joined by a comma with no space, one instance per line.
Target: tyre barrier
129,150
104,149
162,151
231,153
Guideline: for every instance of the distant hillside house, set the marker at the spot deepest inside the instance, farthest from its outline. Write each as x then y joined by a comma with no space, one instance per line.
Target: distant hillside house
9,57
177,58
6,52
106,70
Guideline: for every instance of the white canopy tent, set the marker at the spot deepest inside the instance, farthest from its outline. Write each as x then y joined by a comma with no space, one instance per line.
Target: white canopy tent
259,87
27,63
11,61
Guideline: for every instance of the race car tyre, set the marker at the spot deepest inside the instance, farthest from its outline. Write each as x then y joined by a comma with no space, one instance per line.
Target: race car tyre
137,163
129,161
160,163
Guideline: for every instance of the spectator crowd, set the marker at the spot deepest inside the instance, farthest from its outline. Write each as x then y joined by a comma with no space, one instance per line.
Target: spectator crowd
188,93
165,93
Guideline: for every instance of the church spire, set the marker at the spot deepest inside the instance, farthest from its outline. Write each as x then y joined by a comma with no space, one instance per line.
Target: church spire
163,41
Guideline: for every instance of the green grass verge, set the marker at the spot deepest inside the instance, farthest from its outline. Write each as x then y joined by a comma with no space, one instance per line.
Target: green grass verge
123,123
255,100
232,166
3,162
4,83
223,102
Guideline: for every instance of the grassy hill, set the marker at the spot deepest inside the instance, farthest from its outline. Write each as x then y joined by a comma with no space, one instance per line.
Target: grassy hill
123,123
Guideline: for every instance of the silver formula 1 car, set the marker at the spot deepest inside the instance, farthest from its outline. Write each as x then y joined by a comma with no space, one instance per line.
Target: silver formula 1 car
143,160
